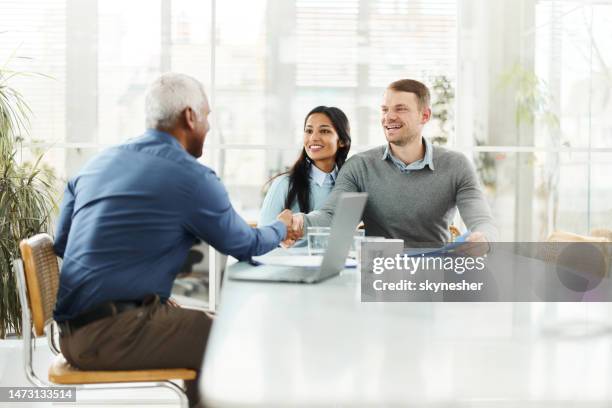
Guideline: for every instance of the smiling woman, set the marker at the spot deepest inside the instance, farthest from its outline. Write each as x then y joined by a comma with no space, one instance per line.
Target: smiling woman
305,186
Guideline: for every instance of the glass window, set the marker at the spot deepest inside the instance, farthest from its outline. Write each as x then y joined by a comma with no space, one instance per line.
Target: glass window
522,90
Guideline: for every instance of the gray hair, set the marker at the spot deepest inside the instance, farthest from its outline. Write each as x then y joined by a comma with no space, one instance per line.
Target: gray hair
168,96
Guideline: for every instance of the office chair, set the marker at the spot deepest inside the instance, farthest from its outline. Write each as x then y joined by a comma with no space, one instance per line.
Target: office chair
38,280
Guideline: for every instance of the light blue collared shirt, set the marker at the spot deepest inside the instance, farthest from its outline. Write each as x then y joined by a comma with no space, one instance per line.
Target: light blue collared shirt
322,178
427,160
321,184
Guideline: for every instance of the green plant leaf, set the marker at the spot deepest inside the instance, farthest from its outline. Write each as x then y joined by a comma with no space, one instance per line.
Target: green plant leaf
27,197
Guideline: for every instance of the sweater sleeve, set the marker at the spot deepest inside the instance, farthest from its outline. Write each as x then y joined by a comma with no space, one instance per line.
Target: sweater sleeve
471,202
346,182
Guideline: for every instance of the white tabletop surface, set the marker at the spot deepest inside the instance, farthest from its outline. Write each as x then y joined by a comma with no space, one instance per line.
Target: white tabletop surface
281,344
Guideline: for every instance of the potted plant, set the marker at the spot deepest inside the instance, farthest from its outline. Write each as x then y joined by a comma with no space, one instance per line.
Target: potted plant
534,104
26,197
443,98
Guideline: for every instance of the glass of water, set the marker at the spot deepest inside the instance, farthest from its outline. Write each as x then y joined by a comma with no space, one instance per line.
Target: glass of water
318,239
356,243
360,243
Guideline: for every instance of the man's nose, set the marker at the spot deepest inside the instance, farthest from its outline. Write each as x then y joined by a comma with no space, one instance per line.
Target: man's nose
389,115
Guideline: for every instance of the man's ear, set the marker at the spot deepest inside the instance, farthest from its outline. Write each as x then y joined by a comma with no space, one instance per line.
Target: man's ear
190,118
425,115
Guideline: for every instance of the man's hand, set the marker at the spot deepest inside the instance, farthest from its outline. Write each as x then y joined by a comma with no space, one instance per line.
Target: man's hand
298,223
293,233
476,244
286,217
172,303
297,230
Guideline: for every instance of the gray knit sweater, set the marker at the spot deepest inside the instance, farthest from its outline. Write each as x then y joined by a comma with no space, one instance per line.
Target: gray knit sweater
417,206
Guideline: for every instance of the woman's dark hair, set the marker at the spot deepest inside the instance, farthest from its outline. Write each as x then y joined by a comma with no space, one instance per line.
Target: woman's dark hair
299,173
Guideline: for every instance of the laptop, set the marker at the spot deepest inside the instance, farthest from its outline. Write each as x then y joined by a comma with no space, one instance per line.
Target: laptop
346,218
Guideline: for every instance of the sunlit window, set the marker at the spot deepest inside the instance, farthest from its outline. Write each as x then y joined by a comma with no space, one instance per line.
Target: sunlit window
523,91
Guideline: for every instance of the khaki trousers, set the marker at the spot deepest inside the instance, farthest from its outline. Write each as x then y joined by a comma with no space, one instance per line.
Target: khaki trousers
154,335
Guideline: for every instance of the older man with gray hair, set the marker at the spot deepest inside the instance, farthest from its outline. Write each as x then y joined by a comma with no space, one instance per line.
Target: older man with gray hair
126,225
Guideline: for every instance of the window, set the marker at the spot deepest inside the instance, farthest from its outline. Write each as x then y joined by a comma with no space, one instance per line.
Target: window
266,63
533,106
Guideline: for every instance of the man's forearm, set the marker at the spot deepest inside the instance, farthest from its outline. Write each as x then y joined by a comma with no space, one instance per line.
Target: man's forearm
318,218
323,217
473,205
477,216
345,184
489,230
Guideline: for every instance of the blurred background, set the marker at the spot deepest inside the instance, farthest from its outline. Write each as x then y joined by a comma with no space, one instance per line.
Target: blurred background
522,87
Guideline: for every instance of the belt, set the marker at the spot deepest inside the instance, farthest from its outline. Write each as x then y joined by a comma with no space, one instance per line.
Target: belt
107,309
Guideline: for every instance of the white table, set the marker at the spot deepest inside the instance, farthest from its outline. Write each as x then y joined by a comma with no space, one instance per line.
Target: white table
276,344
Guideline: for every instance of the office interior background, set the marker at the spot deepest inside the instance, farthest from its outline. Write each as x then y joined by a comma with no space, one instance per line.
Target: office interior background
523,87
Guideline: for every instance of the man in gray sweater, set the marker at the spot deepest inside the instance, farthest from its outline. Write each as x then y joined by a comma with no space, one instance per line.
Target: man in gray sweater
414,187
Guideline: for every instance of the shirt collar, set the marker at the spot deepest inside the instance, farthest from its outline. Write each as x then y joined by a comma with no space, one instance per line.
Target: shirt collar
164,137
320,177
427,159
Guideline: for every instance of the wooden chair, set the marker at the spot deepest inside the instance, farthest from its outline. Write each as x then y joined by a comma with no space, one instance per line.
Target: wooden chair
602,233
38,281
558,241
562,236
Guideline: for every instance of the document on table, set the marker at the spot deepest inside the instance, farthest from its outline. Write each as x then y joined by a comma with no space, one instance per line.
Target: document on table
285,257
447,249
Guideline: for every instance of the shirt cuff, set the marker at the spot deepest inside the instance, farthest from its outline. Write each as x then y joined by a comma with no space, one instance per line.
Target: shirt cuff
280,228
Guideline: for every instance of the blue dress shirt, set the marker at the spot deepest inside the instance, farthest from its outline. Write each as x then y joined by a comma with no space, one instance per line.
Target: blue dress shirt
130,217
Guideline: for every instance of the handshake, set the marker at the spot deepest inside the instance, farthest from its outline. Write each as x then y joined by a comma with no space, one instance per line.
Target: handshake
294,224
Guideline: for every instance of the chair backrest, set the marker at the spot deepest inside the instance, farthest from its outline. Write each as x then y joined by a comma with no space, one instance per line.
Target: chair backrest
562,236
569,250
604,233
42,278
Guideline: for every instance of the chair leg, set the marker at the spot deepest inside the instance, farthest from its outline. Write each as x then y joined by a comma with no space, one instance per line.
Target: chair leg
51,338
26,327
183,401
178,390
29,340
